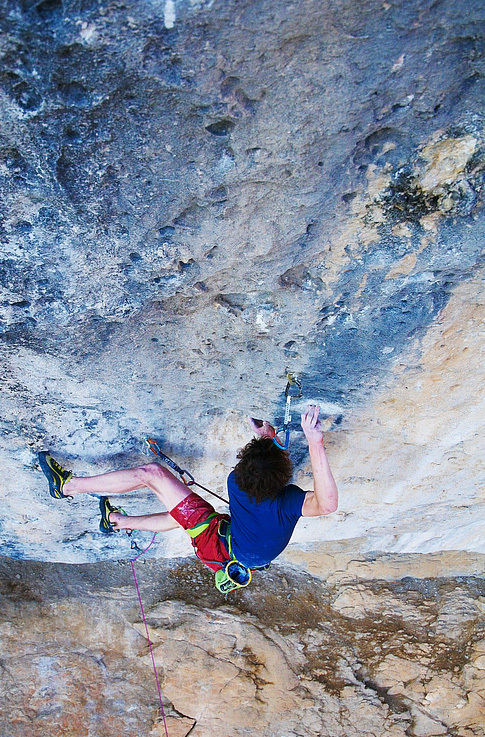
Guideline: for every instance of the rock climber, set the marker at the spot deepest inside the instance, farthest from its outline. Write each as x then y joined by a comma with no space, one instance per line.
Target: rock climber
264,506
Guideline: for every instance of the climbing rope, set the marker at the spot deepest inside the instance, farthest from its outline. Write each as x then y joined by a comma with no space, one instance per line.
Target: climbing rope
132,561
293,390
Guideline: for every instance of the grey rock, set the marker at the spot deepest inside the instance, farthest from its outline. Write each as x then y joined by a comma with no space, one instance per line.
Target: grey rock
189,210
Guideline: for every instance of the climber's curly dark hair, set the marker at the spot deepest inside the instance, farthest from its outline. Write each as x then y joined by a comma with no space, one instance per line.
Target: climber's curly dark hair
263,469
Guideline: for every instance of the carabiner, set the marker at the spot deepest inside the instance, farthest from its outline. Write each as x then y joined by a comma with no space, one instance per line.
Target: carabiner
293,381
277,441
155,448
191,480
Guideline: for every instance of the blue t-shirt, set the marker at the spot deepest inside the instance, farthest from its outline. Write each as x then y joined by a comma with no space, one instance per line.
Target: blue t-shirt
260,532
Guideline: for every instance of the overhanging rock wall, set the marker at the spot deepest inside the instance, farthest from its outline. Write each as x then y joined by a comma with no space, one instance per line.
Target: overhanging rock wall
200,196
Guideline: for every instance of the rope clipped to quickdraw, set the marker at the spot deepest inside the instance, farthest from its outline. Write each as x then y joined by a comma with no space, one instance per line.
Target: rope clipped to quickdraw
185,475
293,390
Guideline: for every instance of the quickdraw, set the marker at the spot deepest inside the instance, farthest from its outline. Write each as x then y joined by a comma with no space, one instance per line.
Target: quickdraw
183,473
293,390
155,448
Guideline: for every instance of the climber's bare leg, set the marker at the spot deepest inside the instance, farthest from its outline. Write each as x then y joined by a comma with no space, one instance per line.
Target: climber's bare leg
114,482
160,480
160,522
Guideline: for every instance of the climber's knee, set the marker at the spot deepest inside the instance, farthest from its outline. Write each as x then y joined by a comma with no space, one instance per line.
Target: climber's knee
152,473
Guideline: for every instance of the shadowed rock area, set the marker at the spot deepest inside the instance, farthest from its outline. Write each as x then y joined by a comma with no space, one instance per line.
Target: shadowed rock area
198,196
291,655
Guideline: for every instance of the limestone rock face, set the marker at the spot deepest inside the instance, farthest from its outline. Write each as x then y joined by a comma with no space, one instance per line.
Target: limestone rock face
200,196
197,197
290,656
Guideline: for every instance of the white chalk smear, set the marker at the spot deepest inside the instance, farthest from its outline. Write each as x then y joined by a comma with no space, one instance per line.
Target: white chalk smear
169,14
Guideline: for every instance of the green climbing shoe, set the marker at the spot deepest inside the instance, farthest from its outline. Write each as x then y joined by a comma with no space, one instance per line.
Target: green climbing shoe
106,509
57,476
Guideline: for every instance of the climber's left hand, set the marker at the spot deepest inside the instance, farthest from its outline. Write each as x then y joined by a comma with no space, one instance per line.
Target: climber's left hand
262,428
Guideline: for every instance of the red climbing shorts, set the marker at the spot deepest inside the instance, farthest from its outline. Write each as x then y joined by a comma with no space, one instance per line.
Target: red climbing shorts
194,511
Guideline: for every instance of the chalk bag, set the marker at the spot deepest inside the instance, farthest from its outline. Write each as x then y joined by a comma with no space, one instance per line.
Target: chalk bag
233,576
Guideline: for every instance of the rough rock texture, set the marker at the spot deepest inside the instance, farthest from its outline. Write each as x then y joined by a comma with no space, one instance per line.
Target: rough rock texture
198,196
292,656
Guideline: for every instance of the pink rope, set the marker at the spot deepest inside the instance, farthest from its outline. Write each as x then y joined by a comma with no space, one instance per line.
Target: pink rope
146,630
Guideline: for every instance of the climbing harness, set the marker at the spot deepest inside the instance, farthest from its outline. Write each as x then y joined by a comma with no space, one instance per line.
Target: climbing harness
200,527
189,481
132,562
293,390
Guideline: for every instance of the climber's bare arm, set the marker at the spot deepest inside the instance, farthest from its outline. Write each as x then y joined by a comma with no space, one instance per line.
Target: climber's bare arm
324,497
158,522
